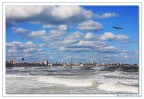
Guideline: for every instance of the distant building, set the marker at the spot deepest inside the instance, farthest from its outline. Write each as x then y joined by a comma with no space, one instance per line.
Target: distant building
94,63
46,62
14,61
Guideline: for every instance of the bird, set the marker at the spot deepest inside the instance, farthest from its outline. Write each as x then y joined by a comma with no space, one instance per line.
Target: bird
117,27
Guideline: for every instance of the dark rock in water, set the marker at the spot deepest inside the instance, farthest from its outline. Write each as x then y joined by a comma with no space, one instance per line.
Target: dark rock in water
121,68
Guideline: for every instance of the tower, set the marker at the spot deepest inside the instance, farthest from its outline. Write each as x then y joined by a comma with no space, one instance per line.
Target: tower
14,61
46,62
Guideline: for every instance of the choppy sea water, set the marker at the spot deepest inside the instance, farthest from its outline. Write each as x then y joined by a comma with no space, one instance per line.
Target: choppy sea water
71,80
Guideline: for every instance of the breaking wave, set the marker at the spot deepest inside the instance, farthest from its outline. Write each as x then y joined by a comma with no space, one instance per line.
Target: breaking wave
118,87
66,82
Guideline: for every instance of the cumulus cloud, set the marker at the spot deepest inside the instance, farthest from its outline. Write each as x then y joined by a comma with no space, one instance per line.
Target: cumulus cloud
48,36
29,42
106,15
37,33
109,49
72,49
20,45
62,27
111,36
55,34
59,27
19,49
75,36
90,26
90,36
46,14
90,46
79,42
48,26
18,30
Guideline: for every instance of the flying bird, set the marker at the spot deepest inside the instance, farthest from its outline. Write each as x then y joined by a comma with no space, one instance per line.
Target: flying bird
117,27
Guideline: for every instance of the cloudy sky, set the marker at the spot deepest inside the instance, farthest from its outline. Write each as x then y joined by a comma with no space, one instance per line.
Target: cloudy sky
83,33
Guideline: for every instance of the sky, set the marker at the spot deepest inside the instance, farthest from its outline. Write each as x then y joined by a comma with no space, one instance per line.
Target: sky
81,33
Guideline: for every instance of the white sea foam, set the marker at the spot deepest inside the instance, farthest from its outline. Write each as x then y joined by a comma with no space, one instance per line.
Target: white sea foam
18,75
66,82
118,87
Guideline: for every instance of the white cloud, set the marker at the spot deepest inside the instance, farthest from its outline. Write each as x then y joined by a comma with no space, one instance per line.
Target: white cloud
120,37
37,33
74,49
108,48
111,36
19,30
59,27
55,35
105,15
48,26
62,27
30,50
86,43
90,36
13,43
51,35
75,36
66,41
90,26
107,36
29,42
21,49
11,51
92,46
46,14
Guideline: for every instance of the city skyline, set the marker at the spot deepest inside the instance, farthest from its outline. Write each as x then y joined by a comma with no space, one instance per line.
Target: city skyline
83,33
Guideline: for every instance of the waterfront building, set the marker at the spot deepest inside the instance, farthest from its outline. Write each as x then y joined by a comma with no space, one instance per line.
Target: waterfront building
46,62
14,61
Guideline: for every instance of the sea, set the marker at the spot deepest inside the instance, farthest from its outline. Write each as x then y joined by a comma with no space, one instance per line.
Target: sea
72,80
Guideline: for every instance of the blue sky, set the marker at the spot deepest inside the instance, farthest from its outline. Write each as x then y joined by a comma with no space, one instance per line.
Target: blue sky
83,33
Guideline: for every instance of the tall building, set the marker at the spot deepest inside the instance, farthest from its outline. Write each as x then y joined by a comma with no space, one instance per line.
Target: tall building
14,61
46,62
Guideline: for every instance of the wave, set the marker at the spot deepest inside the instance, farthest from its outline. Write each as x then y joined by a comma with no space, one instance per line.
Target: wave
118,87
68,82
119,75
18,75
121,68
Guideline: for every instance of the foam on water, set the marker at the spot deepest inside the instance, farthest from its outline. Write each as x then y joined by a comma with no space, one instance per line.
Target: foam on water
18,75
66,82
111,82
118,87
